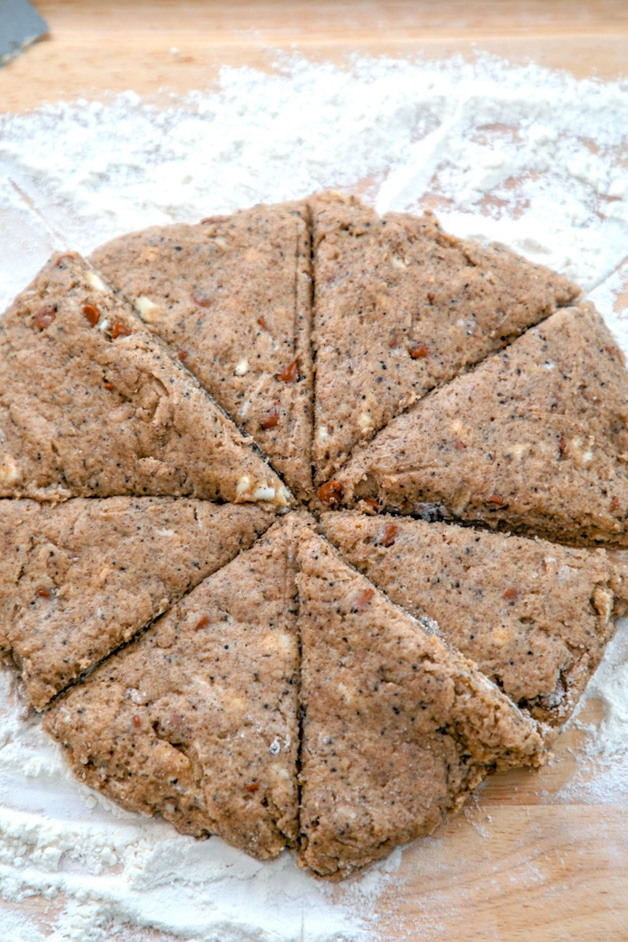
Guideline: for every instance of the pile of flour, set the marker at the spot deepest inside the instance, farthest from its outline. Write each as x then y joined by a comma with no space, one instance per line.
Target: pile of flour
534,159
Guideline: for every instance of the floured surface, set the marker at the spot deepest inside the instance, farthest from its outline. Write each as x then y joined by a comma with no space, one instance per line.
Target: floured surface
527,158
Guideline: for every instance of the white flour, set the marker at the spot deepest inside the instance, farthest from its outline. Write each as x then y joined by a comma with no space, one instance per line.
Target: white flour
534,159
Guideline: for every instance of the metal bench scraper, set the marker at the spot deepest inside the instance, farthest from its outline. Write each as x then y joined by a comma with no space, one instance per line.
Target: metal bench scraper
20,25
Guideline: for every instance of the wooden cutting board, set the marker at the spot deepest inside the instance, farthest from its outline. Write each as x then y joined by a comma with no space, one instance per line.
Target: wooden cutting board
151,44
520,863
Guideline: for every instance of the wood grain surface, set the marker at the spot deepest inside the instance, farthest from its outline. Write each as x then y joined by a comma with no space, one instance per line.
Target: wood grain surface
522,864
156,45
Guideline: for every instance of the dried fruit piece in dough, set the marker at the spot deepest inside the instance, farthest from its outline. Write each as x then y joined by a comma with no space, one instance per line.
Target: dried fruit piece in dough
232,298
535,439
92,405
79,578
401,308
397,729
197,720
534,616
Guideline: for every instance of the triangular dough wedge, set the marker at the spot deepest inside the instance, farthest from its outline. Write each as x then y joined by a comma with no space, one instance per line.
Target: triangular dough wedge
535,439
92,405
397,729
232,296
197,720
534,616
79,578
400,308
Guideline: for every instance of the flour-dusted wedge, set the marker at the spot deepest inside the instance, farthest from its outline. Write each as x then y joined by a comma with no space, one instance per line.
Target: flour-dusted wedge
535,439
232,298
197,719
92,405
79,578
397,729
401,308
534,616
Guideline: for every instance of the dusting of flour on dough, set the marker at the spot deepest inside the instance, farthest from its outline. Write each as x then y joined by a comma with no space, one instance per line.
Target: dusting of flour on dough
520,155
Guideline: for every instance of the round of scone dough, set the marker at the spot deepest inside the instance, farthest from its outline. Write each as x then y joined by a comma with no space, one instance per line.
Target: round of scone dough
311,519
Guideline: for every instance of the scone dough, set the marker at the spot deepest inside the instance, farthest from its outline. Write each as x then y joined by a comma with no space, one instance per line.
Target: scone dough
259,480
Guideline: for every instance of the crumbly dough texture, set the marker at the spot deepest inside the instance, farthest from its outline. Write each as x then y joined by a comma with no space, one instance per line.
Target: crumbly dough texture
79,578
386,707
176,451
401,308
534,616
232,297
